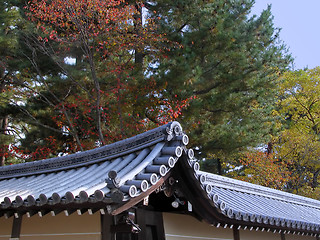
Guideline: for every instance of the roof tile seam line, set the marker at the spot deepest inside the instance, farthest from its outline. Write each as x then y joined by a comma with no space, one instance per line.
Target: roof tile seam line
264,219
236,185
172,147
281,198
65,162
159,166
241,184
229,212
254,219
92,156
267,219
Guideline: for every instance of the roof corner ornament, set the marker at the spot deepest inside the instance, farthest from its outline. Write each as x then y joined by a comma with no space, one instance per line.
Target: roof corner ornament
116,195
173,129
113,181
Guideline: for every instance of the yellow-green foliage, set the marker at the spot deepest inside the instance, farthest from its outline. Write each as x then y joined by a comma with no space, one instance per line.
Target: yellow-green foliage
299,106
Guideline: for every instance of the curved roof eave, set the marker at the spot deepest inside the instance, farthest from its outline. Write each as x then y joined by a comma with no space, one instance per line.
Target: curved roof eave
114,176
222,201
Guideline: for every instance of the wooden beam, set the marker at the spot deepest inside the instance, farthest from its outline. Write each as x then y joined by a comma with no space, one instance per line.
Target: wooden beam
133,201
68,212
8,214
81,211
31,213
16,227
55,212
43,212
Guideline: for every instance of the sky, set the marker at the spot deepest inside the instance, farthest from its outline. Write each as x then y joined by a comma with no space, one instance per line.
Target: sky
300,28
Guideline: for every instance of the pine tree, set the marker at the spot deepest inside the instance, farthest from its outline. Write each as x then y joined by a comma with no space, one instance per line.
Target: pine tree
205,63
10,23
230,62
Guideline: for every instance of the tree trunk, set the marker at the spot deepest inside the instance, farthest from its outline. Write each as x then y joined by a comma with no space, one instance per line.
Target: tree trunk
3,131
98,97
269,148
315,182
138,54
2,160
219,167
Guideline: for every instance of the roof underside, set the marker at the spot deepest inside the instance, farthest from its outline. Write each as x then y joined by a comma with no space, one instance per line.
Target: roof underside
116,177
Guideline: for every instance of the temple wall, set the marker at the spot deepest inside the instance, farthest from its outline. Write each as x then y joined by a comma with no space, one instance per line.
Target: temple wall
87,227
183,227
254,235
298,237
5,228
73,227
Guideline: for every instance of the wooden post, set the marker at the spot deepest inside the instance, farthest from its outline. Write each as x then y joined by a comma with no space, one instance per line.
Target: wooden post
106,222
151,224
236,233
16,228
283,236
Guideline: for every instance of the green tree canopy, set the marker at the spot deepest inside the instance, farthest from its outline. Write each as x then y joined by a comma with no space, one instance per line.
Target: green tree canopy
209,64
230,62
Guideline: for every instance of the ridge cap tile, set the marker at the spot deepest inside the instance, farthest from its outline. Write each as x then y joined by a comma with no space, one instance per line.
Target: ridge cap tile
91,156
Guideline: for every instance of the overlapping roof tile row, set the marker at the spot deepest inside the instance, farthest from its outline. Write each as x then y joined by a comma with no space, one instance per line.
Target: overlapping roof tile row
109,177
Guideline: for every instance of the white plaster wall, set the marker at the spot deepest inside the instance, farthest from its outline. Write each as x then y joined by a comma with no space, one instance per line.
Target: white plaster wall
5,228
299,237
61,227
254,235
184,227
258,235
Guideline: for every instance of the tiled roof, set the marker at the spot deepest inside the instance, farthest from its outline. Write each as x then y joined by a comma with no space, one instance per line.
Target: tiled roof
249,202
227,202
110,174
113,176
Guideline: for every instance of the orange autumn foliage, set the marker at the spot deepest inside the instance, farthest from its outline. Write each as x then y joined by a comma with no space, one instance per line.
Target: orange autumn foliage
264,169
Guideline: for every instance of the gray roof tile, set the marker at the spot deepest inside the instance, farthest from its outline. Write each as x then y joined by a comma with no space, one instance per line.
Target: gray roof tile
263,206
120,172
138,162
